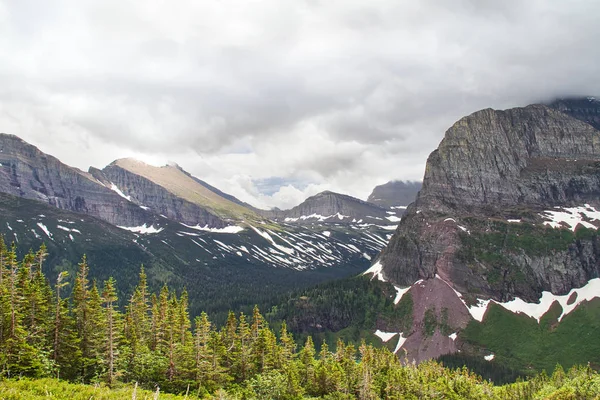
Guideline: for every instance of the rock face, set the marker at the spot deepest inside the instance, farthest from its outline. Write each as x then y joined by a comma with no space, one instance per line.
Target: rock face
147,193
500,164
480,221
534,155
27,172
332,207
395,193
586,110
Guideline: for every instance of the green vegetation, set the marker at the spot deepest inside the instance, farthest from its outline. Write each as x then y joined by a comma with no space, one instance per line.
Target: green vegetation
49,388
497,245
522,344
349,309
220,284
488,237
86,338
389,381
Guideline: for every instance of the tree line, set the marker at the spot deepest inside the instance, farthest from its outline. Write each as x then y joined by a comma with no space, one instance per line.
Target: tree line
87,338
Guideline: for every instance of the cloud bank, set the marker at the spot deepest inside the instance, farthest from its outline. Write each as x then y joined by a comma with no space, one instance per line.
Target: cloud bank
276,100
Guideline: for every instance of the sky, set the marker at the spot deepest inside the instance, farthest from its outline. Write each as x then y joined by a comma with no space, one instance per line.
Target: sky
273,101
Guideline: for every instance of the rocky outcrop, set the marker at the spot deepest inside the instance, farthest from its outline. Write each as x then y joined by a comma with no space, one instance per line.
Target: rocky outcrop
498,165
478,223
395,193
491,166
339,208
496,159
27,172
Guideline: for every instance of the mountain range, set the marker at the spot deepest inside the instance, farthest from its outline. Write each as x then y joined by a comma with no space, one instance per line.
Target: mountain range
494,257
186,232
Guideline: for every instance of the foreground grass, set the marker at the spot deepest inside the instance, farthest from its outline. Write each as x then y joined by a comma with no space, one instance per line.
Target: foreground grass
33,389
429,381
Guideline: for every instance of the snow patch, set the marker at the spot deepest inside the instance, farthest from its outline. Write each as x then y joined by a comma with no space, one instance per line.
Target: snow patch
478,310
489,357
514,221
453,336
401,341
319,217
385,336
376,270
400,292
536,310
571,217
326,233
227,229
45,229
144,229
116,189
64,228
366,256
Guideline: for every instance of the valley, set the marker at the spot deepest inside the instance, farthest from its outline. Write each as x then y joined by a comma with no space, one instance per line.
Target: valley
493,264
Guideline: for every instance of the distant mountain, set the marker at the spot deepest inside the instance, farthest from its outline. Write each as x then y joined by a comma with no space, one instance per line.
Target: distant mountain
584,109
330,207
174,193
186,232
395,193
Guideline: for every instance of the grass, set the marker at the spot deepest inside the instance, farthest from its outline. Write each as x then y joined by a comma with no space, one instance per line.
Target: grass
519,342
33,389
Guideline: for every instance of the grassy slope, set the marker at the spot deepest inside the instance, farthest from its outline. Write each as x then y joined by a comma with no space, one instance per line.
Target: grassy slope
521,343
34,389
180,184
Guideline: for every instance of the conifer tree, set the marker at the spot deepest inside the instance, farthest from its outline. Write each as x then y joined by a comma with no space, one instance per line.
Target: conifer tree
109,297
66,352
242,351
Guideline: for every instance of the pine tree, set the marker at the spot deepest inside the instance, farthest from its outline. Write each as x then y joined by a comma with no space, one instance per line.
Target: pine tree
306,358
66,352
241,368
203,351
109,297
89,319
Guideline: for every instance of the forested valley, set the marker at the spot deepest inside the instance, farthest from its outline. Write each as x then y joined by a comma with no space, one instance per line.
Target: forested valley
84,345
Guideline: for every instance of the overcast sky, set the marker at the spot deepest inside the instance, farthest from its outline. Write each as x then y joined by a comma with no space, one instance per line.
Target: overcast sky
276,100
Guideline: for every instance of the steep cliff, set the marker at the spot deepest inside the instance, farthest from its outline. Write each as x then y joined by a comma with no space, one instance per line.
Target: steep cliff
27,172
508,210
156,198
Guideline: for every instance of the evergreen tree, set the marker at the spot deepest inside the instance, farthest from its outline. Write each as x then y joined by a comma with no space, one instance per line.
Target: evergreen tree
113,332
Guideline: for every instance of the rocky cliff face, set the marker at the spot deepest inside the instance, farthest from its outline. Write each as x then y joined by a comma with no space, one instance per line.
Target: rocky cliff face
27,172
148,194
496,159
331,207
395,193
508,209
586,110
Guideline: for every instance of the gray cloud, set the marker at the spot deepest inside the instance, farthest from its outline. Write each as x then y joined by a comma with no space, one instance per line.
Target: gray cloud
311,95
